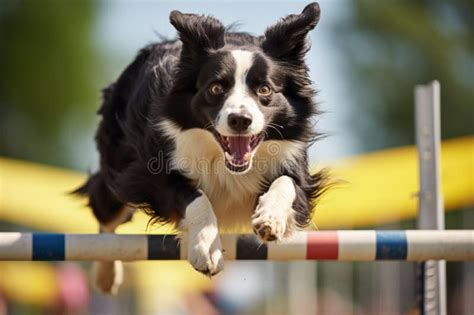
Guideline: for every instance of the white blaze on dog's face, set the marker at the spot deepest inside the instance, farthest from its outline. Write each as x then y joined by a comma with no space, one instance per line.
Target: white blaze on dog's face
240,122
240,103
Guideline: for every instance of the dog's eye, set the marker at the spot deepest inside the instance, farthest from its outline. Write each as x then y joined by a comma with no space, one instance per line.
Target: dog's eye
216,89
264,90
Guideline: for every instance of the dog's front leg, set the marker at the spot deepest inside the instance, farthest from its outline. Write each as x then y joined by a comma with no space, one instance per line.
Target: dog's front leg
204,244
274,216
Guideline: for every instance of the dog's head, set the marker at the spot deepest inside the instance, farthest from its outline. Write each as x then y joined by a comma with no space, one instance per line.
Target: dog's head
243,89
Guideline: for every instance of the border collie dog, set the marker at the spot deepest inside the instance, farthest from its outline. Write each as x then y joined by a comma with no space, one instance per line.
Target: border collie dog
210,132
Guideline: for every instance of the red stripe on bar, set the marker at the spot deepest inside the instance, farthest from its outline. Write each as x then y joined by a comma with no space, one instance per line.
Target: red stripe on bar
322,245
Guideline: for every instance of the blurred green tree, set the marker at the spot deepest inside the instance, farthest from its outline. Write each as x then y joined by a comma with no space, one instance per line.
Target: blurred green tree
389,47
49,77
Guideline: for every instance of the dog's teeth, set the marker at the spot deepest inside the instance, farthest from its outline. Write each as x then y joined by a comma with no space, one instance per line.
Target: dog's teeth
228,156
247,156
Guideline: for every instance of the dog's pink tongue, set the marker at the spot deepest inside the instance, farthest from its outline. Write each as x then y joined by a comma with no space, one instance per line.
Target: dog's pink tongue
239,146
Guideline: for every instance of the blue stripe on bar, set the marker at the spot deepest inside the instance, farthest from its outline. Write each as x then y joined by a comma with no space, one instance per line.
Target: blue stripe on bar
163,247
249,247
48,246
391,245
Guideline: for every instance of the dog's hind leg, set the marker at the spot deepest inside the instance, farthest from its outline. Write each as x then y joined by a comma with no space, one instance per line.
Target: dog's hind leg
109,274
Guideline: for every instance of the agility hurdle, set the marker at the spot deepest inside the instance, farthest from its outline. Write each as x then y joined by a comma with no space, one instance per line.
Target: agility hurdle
350,245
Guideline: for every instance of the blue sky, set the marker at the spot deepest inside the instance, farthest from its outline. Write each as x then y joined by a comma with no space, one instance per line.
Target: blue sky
123,27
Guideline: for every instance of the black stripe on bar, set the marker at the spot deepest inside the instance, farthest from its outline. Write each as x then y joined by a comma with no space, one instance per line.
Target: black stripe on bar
163,247
250,248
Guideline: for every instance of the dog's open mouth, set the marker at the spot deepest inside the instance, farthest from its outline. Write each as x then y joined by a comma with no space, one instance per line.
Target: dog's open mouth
238,150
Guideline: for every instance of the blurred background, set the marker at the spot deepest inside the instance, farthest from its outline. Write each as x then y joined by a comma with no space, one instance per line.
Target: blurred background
366,58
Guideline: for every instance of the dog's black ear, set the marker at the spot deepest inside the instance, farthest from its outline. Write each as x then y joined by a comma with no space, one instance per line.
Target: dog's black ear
287,40
199,33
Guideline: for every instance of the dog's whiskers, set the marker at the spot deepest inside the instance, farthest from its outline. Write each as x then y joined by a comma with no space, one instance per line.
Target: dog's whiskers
276,125
274,128
209,126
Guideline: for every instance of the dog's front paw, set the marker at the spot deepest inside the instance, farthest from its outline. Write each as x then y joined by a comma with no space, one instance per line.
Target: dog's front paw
269,224
205,255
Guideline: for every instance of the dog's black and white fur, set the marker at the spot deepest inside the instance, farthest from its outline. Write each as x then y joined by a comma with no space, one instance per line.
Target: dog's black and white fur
210,130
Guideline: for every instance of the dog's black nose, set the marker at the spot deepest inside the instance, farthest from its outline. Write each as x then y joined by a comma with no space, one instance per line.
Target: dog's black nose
239,122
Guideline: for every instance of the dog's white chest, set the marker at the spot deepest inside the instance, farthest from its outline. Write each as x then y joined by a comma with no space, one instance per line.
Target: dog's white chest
233,196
